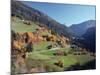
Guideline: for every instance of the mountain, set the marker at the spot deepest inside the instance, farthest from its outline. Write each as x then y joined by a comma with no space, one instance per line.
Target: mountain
27,13
88,39
80,29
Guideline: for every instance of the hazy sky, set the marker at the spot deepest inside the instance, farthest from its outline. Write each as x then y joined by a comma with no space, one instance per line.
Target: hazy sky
65,13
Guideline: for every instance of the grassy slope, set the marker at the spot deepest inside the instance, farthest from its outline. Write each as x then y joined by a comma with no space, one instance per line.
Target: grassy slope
18,26
68,60
41,45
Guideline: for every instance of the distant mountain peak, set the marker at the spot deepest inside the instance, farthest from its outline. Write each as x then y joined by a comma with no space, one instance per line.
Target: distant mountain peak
81,28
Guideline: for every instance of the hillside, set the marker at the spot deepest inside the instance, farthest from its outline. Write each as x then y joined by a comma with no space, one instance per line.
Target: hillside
87,40
27,13
90,39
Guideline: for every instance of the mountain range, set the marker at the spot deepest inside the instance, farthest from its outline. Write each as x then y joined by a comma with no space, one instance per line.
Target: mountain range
80,29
